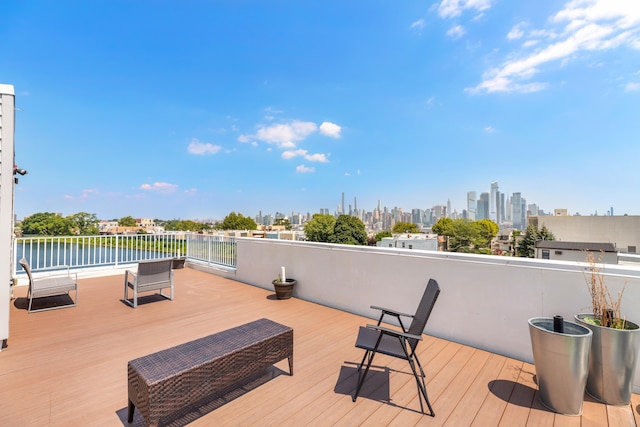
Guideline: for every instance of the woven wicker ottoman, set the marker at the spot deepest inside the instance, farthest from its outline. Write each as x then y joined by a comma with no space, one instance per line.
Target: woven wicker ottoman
169,380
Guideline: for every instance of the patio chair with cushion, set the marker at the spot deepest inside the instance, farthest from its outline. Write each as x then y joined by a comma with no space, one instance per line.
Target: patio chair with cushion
50,286
151,276
398,343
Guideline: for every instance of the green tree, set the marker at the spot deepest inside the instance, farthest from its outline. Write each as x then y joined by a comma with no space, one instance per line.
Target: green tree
468,236
486,231
237,221
46,224
464,236
443,227
349,230
185,225
84,223
527,246
320,228
283,221
382,234
127,221
405,227
546,234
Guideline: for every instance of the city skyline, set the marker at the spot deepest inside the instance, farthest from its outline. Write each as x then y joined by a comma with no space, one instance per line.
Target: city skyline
196,110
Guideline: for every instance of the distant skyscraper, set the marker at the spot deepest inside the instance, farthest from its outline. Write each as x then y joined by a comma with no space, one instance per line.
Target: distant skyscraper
472,205
483,206
448,208
416,216
518,211
493,202
342,210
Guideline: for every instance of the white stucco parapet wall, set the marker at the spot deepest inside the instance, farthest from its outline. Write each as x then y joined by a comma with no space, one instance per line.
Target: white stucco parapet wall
485,300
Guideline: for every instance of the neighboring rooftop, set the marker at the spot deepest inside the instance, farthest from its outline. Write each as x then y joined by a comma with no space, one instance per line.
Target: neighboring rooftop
576,246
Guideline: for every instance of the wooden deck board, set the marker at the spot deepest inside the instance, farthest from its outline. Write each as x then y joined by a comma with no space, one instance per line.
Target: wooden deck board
68,367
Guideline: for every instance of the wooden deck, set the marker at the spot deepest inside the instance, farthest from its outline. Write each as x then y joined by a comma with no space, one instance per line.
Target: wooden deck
69,366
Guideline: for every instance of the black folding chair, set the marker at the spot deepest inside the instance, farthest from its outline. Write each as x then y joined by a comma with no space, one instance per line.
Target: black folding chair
401,344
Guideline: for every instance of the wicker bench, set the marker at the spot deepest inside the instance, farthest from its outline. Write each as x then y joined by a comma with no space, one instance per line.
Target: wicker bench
169,380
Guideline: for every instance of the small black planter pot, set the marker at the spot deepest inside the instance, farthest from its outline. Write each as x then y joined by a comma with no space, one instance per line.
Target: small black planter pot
283,290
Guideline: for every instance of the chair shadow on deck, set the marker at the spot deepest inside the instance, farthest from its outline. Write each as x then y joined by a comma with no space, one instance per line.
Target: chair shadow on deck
54,301
376,388
146,299
205,406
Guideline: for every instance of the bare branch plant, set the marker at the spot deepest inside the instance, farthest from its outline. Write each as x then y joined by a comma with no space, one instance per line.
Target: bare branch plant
606,309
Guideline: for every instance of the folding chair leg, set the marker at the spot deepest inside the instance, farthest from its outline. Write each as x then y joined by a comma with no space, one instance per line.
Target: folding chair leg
362,375
422,387
363,359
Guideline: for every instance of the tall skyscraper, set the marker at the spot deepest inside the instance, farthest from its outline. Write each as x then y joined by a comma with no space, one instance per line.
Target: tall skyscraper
493,202
472,205
518,211
342,210
483,206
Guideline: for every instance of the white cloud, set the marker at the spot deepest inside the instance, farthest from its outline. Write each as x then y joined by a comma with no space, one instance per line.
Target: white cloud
190,191
632,87
160,187
282,134
318,157
580,28
286,133
304,169
290,154
418,25
489,129
516,32
201,148
456,32
453,8
84,194
330,129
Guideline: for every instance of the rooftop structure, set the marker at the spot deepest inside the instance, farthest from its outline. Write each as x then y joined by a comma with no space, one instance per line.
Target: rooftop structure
70,366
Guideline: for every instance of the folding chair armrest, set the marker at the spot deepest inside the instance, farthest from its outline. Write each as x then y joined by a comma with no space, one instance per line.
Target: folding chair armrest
128,273
394,332
391,312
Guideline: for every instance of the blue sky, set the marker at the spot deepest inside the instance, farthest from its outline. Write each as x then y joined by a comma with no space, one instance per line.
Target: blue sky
193,109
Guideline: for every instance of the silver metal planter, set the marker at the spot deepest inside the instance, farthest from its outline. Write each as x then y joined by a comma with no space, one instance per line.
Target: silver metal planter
562,363
612,363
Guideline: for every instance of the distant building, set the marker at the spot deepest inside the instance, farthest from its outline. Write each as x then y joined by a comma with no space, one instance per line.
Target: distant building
427,242
494,201
518,211
622,231
483,206
472,205
504,241
560,212
576,251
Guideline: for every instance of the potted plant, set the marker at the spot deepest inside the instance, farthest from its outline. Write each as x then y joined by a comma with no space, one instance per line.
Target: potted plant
283,285
615,343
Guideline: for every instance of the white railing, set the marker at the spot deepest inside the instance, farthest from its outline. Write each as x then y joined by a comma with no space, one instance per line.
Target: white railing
47,253
208,249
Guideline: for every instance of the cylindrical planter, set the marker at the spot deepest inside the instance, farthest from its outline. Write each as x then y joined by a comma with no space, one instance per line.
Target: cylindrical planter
283,290
612,363
562,363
